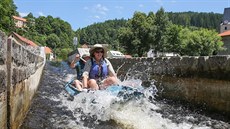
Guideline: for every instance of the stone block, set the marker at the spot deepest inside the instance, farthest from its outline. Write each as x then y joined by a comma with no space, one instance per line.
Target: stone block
2,81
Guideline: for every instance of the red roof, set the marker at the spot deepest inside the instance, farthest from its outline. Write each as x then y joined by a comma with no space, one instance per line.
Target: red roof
19,18
226,33
29,42
48,50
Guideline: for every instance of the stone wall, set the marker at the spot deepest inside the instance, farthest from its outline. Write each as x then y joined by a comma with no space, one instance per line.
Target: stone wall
3,104
203,81
20,71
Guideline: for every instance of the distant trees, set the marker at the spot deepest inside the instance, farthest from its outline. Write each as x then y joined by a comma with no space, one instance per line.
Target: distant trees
204,20
106,32
159,32
182,33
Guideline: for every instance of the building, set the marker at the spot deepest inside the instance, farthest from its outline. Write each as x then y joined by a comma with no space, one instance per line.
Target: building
151,53
49,53
115,54
22,40
225,32
19,22
226,40
33,47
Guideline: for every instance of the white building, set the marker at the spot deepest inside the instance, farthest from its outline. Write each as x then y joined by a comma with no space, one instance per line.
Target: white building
151,53
115,54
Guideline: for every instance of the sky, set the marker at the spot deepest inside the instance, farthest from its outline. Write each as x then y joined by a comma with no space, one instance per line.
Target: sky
81,13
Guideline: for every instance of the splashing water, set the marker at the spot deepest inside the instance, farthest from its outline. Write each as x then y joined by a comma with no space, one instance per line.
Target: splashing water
102,109
92,108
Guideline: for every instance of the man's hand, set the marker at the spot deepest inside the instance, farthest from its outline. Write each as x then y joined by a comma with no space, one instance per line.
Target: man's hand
77,56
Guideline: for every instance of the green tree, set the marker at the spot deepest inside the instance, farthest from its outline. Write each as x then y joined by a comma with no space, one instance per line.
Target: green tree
201,42
173,40
53,41
140,32
106,32
205,20
161,22
126,36
7,11
43,26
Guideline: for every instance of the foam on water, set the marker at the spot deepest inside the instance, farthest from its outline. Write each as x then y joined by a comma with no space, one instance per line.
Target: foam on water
135,113
90,110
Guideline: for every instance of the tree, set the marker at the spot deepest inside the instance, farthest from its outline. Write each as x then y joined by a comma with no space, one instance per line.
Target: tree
173,40
53,41
139,33
125,36
201,42
161,22
7,11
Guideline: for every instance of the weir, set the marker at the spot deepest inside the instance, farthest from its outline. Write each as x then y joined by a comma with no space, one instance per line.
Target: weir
203,81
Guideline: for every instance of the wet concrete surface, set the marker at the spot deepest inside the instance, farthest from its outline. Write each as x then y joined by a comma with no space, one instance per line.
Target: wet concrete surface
47,110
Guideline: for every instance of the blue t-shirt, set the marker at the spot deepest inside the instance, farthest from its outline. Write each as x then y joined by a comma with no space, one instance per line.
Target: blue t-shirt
79,66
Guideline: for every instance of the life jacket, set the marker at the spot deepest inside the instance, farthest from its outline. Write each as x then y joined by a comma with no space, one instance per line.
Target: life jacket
98,71
79,68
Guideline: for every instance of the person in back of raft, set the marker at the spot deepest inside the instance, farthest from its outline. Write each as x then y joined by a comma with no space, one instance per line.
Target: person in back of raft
98,72
79,63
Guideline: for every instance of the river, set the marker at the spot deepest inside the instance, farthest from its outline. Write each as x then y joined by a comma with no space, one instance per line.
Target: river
53,108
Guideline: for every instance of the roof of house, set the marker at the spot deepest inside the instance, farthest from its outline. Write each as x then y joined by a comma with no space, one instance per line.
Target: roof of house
19,18
48,50
25,40
225,33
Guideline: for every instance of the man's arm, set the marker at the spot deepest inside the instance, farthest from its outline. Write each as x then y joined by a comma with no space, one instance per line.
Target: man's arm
77,57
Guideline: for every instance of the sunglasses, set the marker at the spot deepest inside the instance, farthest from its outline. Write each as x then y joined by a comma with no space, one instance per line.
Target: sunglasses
99,51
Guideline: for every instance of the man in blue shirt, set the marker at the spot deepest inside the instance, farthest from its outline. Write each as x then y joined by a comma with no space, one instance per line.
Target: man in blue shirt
79,63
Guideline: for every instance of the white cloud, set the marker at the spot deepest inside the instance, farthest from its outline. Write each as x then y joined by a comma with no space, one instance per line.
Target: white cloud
173,1
41,14
141,5
119,7
97,17
23,14
100,9
86,8
160,2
